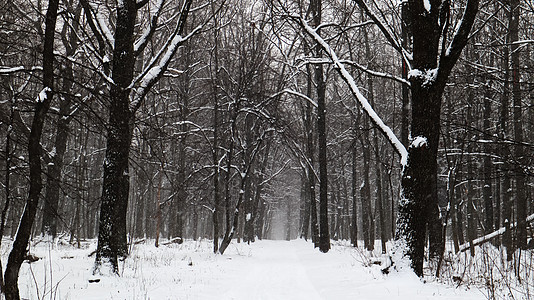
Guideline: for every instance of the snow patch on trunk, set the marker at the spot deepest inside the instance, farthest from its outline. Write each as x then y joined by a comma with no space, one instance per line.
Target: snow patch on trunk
427,77
419,142
427,5
43,95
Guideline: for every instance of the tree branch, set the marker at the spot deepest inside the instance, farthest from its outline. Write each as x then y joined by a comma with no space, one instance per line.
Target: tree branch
450,56
377,121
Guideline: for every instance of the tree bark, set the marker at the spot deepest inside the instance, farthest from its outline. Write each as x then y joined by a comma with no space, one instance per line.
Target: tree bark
488,169
305,207
521,187
354,180
7,182
248,227
54,173
53,182
405,110
310,153
368,227
215,150
504,151
324,234
114,202
419,180
18,252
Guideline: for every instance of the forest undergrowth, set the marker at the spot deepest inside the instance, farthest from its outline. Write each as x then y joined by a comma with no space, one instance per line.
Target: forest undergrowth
490,271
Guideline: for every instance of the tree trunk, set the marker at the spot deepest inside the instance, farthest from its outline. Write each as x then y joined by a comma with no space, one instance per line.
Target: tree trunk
520,184
248,226
428,80
254,228
471,224
7,182
504,151
368,229
310,153
54,173
488,169
18,252
288,218
260,221
215,150
113,207
324,234
53,182
305,207
405,122
354,180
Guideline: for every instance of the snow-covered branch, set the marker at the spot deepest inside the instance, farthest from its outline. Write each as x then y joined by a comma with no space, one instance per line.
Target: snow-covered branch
298,94
200,128
141,43
11,70
5,71
459,40
490,236
103,28
282,168
161,61
314,60
392,138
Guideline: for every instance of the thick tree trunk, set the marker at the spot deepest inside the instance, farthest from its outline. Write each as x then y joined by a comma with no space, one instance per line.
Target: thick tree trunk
430,74
324,234
112,225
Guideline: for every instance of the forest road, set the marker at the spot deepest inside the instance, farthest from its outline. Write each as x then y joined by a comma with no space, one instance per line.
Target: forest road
274,274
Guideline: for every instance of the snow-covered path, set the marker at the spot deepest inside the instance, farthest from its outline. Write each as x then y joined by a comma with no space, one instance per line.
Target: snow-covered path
274,270
294,270
276,273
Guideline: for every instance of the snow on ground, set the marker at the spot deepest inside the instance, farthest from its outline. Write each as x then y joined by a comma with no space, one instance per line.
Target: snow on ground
263,270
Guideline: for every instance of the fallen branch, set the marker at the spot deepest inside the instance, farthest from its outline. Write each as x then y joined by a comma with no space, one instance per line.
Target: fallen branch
177,240
488,237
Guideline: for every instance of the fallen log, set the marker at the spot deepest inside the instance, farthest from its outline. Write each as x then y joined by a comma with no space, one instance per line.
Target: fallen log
489,236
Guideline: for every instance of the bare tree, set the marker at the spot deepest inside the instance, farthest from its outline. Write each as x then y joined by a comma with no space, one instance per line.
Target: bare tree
42,105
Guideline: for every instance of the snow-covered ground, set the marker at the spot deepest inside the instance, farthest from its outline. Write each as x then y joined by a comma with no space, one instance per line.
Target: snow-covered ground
263,270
